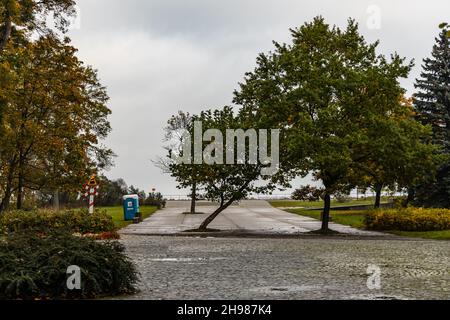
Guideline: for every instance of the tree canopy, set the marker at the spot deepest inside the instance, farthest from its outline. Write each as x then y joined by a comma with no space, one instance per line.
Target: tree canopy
55,120
432,103
220,182
31,15
333,96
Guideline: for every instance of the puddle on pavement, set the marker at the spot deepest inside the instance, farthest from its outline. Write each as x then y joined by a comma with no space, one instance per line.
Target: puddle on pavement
185,260
377,297
288,289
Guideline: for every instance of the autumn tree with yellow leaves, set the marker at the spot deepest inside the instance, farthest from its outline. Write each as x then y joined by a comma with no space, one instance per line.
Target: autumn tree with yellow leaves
52,106
54,122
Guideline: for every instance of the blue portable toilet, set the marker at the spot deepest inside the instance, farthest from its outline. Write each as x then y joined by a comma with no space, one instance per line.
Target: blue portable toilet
131,208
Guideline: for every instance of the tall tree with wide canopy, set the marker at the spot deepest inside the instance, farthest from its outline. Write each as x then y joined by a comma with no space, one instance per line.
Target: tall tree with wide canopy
323,90
398,153
55,121
18,20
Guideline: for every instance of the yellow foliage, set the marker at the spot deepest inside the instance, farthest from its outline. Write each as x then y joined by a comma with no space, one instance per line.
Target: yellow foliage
409,219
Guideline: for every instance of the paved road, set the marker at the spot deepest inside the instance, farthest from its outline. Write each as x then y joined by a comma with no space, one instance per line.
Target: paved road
249,216
232,268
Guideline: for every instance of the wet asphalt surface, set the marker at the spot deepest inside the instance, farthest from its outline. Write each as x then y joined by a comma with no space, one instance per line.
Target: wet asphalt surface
190,268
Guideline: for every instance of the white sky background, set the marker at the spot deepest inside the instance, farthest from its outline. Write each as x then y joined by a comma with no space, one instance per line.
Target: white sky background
160,56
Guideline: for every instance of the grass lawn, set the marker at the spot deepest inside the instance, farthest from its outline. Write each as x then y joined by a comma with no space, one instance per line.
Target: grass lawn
349,218
356,219
117,214
319,204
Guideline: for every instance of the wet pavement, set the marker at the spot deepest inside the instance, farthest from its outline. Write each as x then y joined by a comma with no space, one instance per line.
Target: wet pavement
311,268
254,216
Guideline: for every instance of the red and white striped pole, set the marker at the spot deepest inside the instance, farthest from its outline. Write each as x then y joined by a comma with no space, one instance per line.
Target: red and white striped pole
91,192
91,200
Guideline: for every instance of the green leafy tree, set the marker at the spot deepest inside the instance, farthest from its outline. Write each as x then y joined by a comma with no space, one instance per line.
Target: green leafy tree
110,192
398,152
224,184
325,91
307,193
155,199
432,102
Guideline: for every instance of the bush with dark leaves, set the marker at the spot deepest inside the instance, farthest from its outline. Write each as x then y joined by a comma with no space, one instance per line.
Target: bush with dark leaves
34,266
75,221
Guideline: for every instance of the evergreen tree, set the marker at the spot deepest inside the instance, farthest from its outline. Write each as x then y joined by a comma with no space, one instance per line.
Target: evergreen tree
432,102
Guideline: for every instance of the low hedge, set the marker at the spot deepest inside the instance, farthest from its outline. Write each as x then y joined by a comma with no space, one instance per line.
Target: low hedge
75,221
409,219
156,199
34,266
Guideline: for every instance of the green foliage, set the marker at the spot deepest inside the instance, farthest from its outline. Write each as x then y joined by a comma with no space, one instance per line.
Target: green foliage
307,193
357,219
75,221
409,219
223,184
400,202
317,204
34,266
110,192
432,104
156,199
349,218
340,108
53,125
118,217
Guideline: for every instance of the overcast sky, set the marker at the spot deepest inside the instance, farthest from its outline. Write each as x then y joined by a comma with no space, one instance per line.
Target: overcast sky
160,56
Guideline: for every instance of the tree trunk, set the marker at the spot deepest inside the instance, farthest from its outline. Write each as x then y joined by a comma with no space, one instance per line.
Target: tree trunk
20,186
56,200
211,218
193,197
4,205
6,33
221,208
326,212
20,193
378,190
6,200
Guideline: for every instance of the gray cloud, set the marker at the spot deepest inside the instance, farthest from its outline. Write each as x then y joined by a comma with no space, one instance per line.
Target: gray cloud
157,57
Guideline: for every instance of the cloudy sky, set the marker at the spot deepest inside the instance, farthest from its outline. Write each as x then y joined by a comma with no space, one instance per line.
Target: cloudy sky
160,56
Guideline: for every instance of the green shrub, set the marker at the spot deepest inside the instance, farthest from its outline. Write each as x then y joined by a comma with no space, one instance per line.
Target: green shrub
34,266
76,221
155,199
409,219
307,193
